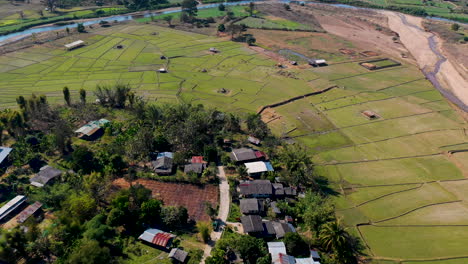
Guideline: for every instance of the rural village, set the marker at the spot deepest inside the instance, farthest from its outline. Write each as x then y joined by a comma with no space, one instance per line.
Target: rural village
217,132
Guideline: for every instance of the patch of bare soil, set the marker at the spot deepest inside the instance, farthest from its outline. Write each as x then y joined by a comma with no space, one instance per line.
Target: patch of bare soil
192,197
364,28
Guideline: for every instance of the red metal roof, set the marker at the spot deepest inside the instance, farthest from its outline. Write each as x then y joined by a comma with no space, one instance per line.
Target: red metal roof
260,154
26,213
162,239
198,159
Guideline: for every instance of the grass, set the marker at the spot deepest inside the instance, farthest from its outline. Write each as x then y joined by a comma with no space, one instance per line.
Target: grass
266,23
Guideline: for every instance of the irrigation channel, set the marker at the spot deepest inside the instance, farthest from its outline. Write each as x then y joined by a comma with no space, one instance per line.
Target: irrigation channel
119,18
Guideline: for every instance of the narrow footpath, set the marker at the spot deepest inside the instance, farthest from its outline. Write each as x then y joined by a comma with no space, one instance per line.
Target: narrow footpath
224,204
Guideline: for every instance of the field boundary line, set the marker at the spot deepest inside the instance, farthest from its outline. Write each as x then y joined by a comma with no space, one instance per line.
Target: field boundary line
367,73
412,210
382,196
376,160
295,99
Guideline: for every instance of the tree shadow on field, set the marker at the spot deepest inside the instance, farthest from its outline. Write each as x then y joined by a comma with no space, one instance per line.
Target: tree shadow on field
323,185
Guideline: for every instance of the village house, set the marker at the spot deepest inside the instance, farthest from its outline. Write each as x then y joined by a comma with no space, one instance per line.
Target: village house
11,206
197,168
246,155
45,175
257,168
163,165
157,238
252,224
256,189
178,255
75,44
31,210
4,152
92,130
279,255
251,206
254,140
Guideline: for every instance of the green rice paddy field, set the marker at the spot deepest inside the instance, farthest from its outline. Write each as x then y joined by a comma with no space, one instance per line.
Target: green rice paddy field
400,191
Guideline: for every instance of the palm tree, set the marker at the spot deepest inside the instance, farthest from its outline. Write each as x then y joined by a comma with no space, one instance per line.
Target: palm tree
333,236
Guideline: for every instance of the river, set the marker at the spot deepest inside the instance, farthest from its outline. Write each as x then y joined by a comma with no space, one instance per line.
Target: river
27,32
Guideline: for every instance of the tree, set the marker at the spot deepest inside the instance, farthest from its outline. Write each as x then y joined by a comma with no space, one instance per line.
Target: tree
83,96
315,210
455,27
295,245
21,101
218,256
251,8
334,237
150,211
252,250
50,4
209,210
80,27
221,7
204,229
168,19
189,8
256,126
234,29
174,217
79,206
221,28
299,166
250,40
83,160
66,95
89,251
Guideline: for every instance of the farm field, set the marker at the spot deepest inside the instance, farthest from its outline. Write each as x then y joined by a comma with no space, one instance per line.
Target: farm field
396,179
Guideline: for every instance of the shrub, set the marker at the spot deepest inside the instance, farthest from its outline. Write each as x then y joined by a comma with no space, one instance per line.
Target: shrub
81,28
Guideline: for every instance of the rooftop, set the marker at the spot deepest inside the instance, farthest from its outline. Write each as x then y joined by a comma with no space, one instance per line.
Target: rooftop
4,152
11,205
45,174
243,154
258,167
256,187
157,237
26,213
252,223
195,167
249,206
178,254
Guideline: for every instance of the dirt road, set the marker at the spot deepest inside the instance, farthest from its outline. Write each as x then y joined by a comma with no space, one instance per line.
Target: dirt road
425,48
223,212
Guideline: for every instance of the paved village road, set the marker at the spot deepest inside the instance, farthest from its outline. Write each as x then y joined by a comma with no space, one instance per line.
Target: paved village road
223,212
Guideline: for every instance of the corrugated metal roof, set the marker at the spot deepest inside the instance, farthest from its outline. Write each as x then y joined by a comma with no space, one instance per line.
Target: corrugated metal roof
11,205
198,159
165,154
26,213
275,249
258,166
157,237
75,44
4,152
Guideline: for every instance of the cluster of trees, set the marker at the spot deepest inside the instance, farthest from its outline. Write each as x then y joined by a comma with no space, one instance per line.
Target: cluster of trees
317,213
252,250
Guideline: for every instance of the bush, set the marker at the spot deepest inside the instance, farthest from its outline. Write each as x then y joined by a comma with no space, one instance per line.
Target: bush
455,27
221,7
81,28
221,28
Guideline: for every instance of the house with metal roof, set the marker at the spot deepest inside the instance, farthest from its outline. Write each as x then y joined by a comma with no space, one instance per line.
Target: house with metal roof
75,44
165,154
178,255
275,249
198,159
163,165
92,130
157,237
256,189
278,254
28,212
258,167
45,175
11,206
197,168
251,206
4,152
252,224
243,155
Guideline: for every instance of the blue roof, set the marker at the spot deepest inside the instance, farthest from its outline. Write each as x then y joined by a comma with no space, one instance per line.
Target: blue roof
269,167
165,154
4,153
